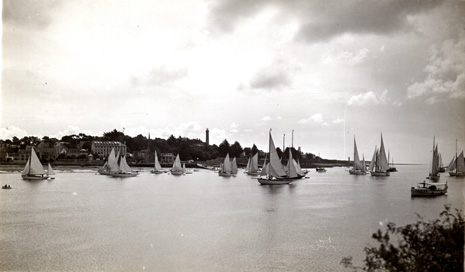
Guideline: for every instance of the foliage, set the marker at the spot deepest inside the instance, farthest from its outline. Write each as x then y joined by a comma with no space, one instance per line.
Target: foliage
224,148
423,246
235,150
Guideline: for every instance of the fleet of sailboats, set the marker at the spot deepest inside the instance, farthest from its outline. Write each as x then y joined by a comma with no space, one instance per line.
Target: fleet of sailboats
252,166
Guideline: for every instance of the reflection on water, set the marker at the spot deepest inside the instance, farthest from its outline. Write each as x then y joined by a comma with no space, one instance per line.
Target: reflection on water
202,222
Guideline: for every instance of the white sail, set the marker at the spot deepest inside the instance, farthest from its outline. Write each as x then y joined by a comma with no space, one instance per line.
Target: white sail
383,164
451,166
292,171
227,167
298,168
50,171
234,166
113,161
265,169
357,165
247,168
254,164
435,161
177,164
373,160
276,169
123,165
33,165
460,163
157,163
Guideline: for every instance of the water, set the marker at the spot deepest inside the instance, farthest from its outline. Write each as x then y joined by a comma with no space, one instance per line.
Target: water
202,222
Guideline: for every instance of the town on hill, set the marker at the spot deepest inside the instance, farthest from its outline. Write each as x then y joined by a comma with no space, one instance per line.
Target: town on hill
85,150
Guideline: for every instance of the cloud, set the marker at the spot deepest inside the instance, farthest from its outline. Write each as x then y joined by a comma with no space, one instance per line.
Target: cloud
162,75
30,13
346,58
338,121
323,20
368,98
317,118
12,131
266,118
445,73
276,76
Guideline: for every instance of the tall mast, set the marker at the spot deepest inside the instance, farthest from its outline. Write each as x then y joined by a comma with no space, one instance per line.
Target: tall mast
456,161
292,143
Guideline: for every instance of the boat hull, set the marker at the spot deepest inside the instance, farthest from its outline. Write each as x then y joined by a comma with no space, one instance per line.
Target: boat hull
156,172
357,172
426,192
457,174
433,177
379,174
225,174
124,175
274,181
30,177
253,174
177,173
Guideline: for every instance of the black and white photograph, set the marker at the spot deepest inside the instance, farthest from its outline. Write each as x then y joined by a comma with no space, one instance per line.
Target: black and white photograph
232,135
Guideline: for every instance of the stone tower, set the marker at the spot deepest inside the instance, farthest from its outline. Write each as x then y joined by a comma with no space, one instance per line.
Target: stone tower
207,137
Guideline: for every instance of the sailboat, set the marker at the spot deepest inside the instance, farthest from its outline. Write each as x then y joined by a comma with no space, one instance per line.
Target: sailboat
274,170
50,172
359,168
234,169
434,174
177,168
157,167
123,169
105,170
226,167
442,169
380,164
392,167
457,166
252,166
33,169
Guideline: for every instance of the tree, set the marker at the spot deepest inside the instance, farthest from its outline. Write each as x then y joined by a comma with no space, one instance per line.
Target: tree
223,148
254,150
235,150
424,246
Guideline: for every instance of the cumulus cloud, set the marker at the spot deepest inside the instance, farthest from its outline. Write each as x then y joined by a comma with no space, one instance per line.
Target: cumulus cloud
368,98
338,121
445,73
276,76
162,75
266,118
323,20
316,118
12,131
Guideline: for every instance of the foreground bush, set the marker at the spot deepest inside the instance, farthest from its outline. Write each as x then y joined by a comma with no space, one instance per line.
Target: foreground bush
423,246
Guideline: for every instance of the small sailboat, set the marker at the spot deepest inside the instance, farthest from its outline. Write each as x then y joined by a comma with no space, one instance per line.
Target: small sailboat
177,168
434,174
252,166
123,169
105,169
457,166
226,167
274,170
234,169
359,167
50,172
157,167
380,163
442,169
33,169
392,167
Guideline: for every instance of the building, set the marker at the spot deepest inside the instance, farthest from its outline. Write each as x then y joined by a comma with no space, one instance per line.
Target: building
103,148
167,158
207,136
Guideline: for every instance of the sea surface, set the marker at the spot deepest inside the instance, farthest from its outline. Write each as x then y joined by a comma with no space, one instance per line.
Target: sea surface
81,221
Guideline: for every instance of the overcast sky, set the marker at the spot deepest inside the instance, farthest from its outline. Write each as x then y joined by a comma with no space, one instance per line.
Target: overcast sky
328,70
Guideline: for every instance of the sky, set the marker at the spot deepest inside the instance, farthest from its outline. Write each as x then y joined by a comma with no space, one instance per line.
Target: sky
317,73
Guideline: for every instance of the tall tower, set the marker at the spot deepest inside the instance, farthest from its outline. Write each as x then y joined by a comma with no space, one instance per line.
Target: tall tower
207,136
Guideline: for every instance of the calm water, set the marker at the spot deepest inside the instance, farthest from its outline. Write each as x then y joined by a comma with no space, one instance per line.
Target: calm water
202,222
